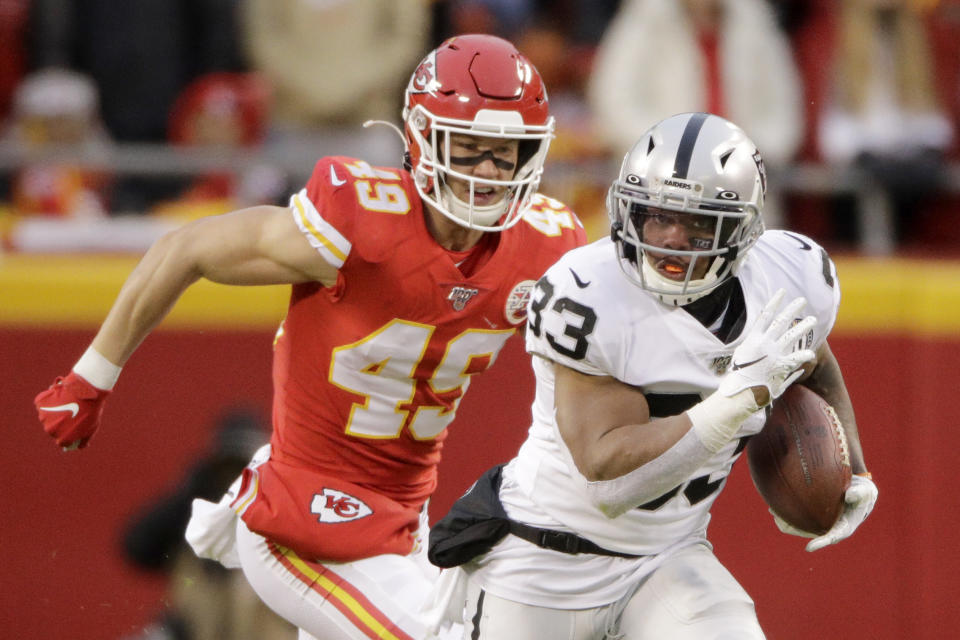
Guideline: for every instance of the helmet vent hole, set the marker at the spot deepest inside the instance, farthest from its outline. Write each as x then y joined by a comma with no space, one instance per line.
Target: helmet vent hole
725,157
650,145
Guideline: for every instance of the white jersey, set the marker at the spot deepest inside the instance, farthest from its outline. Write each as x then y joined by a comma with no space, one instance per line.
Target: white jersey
585,314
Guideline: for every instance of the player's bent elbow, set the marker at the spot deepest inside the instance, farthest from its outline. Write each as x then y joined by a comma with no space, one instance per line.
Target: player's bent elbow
598,479
594,468
606,463
174,260
179,245
600,473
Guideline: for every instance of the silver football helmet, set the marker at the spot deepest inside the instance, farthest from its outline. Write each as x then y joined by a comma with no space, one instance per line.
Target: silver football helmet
687,205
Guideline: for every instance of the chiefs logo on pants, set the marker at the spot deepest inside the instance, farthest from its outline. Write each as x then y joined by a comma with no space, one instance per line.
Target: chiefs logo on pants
321,517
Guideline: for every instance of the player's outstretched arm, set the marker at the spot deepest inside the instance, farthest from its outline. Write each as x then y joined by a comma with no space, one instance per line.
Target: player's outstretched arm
260,245
256,246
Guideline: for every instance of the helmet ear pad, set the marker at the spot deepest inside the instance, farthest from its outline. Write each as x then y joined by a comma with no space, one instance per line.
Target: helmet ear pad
525,152
628,250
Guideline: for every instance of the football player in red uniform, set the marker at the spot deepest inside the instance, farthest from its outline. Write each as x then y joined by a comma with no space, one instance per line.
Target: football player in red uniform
405,283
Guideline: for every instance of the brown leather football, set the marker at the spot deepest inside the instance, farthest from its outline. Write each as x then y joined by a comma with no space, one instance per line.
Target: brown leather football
800,462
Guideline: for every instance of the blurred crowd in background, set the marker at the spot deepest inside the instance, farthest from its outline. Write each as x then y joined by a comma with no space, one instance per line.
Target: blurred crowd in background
122,119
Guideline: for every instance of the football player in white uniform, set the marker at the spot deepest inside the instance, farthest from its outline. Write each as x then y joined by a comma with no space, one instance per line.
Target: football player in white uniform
656,352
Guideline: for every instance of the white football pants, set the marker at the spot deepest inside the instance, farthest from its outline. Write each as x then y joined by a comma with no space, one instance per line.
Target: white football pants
690,596
379,597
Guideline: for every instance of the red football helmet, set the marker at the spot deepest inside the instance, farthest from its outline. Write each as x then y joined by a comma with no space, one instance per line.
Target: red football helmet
478,85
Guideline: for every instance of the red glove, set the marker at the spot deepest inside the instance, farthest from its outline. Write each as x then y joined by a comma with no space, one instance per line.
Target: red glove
70,410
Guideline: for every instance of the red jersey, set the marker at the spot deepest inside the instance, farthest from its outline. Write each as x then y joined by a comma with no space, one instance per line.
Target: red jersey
368,373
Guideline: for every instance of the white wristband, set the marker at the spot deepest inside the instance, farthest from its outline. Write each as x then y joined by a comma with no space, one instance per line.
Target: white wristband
97,370
718,418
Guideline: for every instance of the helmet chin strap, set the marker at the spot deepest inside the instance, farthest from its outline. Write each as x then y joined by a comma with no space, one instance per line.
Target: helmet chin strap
486,215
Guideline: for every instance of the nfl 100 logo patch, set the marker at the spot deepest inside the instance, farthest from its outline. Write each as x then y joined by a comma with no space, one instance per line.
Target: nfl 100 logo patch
460,296
720,363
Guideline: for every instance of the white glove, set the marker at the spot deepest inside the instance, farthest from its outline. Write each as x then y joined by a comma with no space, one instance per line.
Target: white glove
789,529
858,503
768,356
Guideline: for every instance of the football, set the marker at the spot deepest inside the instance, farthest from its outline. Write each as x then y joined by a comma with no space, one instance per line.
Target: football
799,462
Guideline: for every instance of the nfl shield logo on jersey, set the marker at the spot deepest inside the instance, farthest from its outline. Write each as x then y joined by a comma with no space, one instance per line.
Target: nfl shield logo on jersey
460,296
336,506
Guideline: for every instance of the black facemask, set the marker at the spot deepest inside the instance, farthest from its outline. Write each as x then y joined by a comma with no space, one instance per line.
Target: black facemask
473,161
